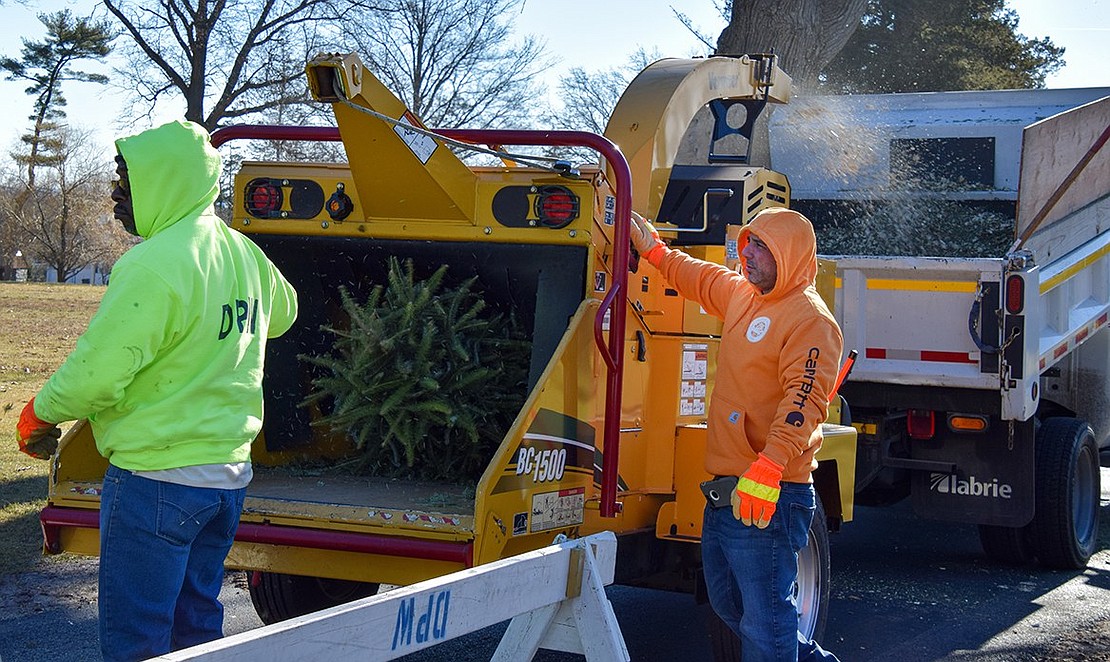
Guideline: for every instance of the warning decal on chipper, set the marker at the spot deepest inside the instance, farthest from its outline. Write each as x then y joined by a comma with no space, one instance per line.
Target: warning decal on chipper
695,363
555,510
421,144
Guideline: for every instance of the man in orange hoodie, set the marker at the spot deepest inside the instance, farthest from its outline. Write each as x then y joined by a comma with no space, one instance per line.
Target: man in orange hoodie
780,348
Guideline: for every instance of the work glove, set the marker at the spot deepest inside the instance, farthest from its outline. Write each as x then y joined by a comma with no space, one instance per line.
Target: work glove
35,436
646,241
757,492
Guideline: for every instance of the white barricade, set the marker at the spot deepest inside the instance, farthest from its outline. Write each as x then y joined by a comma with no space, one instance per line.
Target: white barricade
555,597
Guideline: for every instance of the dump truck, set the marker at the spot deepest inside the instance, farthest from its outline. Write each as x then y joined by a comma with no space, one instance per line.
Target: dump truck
982,388
612,432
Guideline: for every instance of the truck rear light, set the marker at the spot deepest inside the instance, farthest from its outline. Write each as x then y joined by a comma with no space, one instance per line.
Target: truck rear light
967,423
921,423
263,198
556,206
1015,294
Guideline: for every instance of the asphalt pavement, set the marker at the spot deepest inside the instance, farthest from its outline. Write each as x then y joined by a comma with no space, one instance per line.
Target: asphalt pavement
904,589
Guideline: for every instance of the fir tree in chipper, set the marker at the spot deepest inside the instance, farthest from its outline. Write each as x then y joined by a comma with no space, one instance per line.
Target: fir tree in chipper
426,380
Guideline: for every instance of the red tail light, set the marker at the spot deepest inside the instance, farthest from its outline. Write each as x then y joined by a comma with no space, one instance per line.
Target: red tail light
921,424
263,198
556,206
1015,294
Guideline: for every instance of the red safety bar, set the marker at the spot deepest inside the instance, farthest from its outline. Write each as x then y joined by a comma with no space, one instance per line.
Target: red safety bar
54,518
617,298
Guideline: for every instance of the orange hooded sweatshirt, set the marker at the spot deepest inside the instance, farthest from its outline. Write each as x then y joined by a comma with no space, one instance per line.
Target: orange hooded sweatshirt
779,351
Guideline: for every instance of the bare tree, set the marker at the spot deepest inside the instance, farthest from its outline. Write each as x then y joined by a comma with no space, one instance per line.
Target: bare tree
226,58
65,220
586,100
453,62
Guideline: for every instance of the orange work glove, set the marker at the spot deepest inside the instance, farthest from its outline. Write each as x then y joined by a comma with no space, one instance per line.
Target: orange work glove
757,492
35,436
646,241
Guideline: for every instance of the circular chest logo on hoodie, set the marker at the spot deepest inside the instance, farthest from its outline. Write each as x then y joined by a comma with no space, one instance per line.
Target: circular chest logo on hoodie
758,328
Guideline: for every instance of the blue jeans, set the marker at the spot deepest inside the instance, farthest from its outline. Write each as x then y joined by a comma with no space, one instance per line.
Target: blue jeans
750,575
162,552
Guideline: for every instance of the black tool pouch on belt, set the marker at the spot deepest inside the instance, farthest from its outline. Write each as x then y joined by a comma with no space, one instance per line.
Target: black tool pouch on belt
718,492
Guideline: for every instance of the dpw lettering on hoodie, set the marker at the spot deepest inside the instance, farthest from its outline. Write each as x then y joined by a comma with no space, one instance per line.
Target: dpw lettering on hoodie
237,317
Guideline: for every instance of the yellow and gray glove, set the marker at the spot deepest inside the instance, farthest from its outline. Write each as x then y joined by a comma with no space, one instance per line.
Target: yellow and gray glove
646,241
757,492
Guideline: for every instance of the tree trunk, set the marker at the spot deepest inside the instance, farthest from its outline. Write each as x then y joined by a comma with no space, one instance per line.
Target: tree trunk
805,34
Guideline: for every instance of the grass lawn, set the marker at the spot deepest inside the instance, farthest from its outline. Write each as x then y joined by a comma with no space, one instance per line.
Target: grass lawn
39,325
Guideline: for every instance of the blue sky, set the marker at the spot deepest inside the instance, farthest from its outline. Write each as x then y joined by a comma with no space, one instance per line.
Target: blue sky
593,34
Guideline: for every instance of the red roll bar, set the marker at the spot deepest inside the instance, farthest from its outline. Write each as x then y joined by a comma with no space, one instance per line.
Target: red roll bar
616,299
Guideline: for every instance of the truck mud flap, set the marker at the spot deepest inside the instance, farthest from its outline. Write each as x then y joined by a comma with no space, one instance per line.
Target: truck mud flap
993,483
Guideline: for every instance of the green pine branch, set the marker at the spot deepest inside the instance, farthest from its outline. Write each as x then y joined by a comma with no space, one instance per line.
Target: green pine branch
426,379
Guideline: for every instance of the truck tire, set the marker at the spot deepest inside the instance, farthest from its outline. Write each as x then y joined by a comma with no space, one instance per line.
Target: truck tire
278,597
1065,524
811,593
1007,545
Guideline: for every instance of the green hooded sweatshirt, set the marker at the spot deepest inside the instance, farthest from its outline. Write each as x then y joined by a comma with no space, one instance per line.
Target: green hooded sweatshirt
169,371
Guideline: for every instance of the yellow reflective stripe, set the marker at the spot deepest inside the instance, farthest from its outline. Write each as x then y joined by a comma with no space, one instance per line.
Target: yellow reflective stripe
921,285
750,487
1074,269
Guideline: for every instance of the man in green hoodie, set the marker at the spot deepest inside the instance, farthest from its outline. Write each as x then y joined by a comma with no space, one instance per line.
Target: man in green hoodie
169,376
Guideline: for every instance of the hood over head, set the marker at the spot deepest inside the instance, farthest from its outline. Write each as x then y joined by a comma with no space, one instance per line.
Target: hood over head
790,238
174,173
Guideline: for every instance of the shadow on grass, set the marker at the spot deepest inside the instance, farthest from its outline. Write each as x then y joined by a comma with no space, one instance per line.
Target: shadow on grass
20,531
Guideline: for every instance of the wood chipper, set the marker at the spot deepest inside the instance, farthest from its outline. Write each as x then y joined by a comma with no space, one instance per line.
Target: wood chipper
612,432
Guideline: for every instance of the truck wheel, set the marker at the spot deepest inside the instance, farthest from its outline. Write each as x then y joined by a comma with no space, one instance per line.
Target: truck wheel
278,597
1006,544
811,594
1065,524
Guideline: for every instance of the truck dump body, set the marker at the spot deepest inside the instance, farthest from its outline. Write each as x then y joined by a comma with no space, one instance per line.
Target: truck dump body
982,388
903,316
999,324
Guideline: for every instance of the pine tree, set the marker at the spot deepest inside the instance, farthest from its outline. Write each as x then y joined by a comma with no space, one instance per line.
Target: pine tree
426,380
46,64
913,46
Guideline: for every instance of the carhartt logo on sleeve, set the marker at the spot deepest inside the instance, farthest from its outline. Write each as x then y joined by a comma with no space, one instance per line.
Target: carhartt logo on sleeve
804,388
758,328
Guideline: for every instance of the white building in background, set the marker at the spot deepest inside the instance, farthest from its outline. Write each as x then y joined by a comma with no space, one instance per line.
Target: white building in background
20,267
91,275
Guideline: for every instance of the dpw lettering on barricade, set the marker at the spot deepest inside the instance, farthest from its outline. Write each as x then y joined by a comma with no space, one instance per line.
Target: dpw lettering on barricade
431,625
243,317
